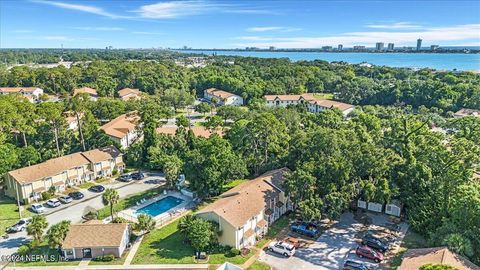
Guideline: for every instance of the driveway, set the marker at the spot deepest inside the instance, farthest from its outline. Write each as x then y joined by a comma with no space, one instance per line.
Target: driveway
328,252
75,210
331,249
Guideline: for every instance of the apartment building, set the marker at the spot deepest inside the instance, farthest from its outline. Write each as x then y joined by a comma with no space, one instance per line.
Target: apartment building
86,90
222,97
312,103
129,93
197,131
28,183
245,212
123,129
31,93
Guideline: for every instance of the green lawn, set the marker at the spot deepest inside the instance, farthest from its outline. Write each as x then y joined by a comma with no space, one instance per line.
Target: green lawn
166,246
274,229
128,202
9,213
86,185
232,184
259,266
117,261
323,95
43,249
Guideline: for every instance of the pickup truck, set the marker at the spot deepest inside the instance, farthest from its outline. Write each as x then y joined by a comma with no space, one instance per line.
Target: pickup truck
305,229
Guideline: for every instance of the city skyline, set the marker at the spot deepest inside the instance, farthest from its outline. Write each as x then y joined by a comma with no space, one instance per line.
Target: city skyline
228,24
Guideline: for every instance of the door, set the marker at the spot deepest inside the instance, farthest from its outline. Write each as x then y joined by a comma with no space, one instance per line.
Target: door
87,253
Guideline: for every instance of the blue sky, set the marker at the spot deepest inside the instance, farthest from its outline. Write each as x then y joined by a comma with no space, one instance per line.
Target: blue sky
236,24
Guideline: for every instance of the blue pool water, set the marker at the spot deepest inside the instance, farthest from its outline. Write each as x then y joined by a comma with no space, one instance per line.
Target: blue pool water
160,206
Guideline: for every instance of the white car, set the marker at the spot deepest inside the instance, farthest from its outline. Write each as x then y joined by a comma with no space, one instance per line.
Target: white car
285,249
53,203
65,199
20,226
38,208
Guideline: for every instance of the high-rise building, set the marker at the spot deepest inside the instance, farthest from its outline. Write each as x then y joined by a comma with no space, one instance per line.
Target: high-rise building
434,47
390,46
419,44
340,47
358,48
379,46
327,48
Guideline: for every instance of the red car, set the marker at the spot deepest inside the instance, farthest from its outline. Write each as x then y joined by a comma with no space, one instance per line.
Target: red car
364,251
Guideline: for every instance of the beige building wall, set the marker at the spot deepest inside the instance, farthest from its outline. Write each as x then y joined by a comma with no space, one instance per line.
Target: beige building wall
228,233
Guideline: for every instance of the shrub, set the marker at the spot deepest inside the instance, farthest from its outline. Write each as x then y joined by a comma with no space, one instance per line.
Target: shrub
46,195
119,220
23,250
52,190
105,258
232,252
114,172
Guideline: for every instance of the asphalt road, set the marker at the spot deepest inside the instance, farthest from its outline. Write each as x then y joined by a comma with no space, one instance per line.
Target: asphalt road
76,209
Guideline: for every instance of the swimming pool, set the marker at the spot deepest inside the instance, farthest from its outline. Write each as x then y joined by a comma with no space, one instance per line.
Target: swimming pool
160,206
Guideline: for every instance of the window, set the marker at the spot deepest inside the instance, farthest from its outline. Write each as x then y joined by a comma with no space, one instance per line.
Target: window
69,252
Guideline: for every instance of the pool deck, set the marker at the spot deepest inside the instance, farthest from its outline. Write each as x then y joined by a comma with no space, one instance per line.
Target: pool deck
131,215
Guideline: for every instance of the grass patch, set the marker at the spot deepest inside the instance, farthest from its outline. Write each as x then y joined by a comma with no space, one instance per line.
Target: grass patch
128,202
167,246
163,246
323,95
43,249
86,185
259,266
411,240
414,240
117,261
9,213
232,184
274,229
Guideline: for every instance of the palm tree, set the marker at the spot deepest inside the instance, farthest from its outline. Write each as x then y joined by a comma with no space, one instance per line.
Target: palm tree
36,227
110,197
185,223
78,105
57,233
145,223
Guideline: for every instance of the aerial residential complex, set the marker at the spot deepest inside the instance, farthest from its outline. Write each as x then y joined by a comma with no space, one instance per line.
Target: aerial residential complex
27,184
313,104
245,211
87,90
129,93
123,129
31,93
223,97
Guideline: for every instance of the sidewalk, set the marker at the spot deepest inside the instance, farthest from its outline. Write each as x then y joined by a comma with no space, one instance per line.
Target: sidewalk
133,251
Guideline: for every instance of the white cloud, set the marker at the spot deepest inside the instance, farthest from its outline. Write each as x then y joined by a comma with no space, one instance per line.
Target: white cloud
88,28
146,33
58,38
21,31
83,8
396,25
174,9
459,34
272,28
177,9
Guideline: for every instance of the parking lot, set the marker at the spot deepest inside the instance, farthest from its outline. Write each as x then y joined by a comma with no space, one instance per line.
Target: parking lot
334,246
76,209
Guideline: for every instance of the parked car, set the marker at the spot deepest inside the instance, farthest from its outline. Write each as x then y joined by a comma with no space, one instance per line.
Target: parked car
304,228
76,195
37,208
292,241
375,243
65,199
53,203
97,188
20,226
125,177
353,265
369,253
137,176
285,249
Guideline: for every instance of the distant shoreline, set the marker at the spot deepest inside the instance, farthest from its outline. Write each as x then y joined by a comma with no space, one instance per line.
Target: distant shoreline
347,50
